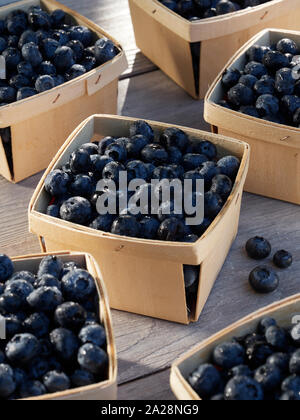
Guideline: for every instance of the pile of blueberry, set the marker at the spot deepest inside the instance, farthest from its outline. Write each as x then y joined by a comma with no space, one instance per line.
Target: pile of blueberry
146,156
203,9
43,51
54,341
264,279
268,87
264,365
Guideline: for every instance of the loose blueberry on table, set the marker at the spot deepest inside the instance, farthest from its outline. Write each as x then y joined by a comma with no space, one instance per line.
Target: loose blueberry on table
194,10
264,365
54,341
268,86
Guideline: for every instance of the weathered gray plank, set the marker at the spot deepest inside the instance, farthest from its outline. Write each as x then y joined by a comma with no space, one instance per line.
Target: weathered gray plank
155,388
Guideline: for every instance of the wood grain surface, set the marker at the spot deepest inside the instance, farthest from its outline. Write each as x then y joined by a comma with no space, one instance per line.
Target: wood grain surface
147,347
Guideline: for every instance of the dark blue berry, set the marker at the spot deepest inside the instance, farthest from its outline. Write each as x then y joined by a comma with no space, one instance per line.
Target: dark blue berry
93,359
264,280
258,248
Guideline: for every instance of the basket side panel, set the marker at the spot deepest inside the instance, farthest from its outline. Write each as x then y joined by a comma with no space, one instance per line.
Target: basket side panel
274,169
164,47
38,139
139,285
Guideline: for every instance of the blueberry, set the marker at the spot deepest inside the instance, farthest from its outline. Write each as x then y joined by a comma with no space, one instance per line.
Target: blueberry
225,7
155,154
142,128
61,37
292,383
58,17
269,377
264,324
37,324
69,266
31,54
94,334
80,162
44,83
50,265
90,148
175,155
257,52
16,22
25,92
64,58
283,259
6,268
126,226
78,285
13,326
103,223
240,370
287,46
47,280
77,48
279,360
104,143
222,185
295,334
26,37
193,161
56,381
37,367
48,48
7,95
20,376
89,63
82,34
136,170
191,275
112,171
76,210
47,68
12,41
93,359
264,280
240,95
258,248
230,78
22,348
285,81
265,86
32,389
174,137
208,171
248,80
228,355
70,315
290,104
256,69
82,378
10,303
229,165
135,145
65,344
7,382
39,19
205,381
171,229
290,396
243,388
257,354
82,186
191,238
75,71
117,150
45,299
275,60
19,288
163,172
149,227
213,204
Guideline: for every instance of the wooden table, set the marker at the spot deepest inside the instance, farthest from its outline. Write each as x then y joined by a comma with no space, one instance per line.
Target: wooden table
147,347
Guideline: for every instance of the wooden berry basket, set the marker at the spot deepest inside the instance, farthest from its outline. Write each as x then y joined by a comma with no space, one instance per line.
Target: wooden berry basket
282,312
39,125
144,276
166,38
274,170
106,390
